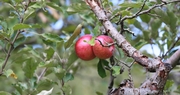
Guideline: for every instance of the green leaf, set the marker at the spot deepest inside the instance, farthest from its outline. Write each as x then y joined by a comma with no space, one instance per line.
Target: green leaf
52,37
77,31
29,13
19,41
91,42
21,26
49,64
49,53
101,70
79,7
99,93
8,72
168,85
68,77
4,93
116,70
30,67
60,75
60,49
133,5
139,44
72,58
54,5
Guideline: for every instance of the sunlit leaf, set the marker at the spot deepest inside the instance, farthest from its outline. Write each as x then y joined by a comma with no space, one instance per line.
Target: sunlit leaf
77,31
51,37
45,92
9,72
116,70
133,5
21,26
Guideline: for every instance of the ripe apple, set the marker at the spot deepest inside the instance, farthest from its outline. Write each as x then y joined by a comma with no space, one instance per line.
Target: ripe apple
102,49
84,50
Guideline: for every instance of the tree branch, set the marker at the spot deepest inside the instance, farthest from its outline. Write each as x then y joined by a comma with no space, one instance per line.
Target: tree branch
153,85
173,60
13,41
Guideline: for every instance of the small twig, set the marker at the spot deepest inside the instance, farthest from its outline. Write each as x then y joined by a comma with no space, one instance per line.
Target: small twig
111,83
11,48
41,75
173,45
116,15
140,12
107,44
127,30
129,70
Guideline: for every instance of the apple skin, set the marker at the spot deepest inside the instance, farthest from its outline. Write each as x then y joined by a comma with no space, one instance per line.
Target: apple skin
84,50
103,52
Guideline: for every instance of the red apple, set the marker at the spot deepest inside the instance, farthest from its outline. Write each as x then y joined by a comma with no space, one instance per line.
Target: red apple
84,50
100,49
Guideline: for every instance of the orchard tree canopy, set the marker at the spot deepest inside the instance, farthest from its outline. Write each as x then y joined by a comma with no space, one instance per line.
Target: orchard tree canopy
38,40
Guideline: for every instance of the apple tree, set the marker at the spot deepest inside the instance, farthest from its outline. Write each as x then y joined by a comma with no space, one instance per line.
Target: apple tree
132,47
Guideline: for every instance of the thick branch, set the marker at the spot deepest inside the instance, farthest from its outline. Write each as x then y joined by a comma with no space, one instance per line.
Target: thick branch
153,85
173,60
121,41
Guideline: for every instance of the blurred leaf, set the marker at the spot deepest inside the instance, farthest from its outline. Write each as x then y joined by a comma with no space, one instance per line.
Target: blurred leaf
68,77
29,13
72,58
19,41
77,31
101,70
133,5
67,89
116,70
45,84
54,5
99,93
168,85
48,64
9,72
139,44
49,53
92,41
4,93
137,24
21,26
145,18
30,67
60,49
52,37
45,92
60,75
79,7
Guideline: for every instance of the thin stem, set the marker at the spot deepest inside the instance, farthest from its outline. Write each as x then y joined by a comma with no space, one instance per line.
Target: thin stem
173,45
41,75
13,41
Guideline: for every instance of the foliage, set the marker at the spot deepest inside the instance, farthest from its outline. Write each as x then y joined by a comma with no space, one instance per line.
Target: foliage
43,58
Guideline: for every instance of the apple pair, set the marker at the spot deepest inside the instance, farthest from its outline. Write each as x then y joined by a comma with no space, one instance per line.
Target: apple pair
103,47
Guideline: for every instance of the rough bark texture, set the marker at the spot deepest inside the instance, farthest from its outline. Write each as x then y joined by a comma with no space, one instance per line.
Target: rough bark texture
151,86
